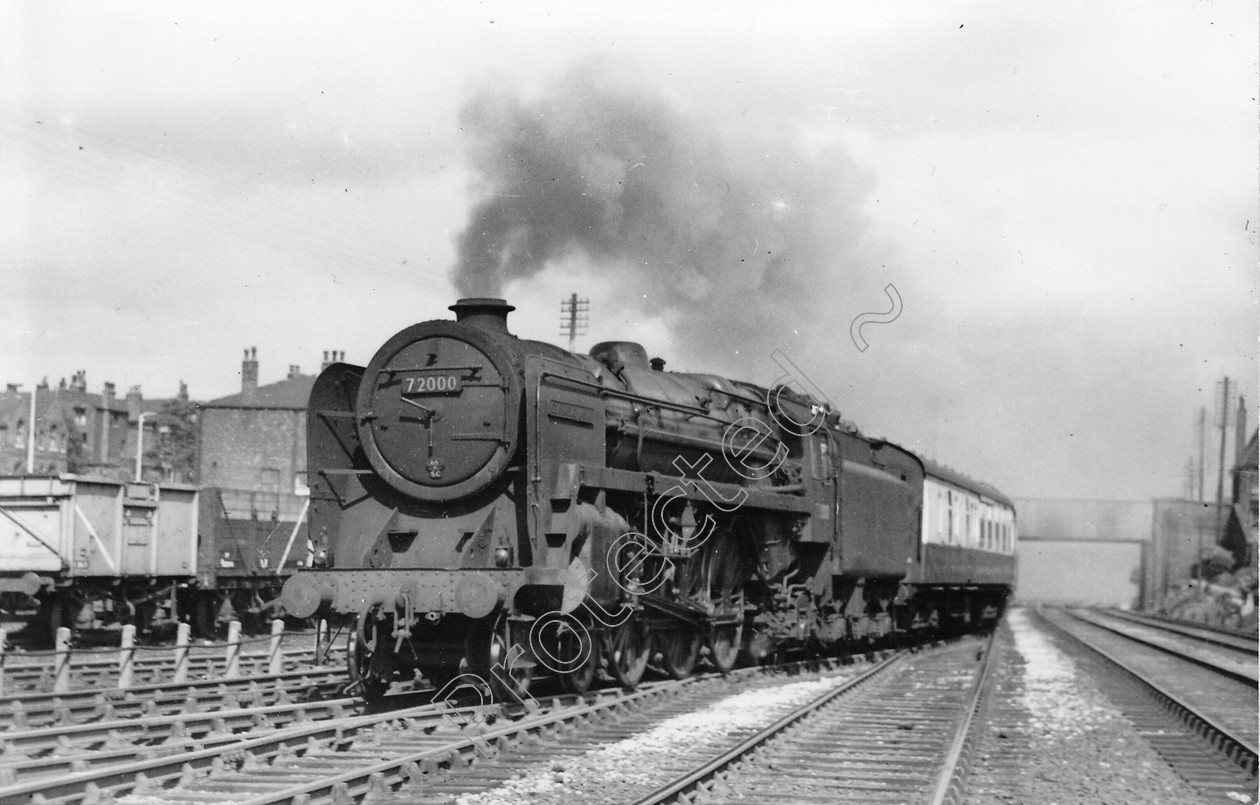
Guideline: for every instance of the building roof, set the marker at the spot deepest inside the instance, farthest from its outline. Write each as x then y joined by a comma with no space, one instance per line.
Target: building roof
18,403
291,394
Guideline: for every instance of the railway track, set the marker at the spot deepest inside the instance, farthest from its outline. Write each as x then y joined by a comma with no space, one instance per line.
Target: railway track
903,732
382,756
33,674
30,710
1201,720
1231,659
1215,635
885,732
49,752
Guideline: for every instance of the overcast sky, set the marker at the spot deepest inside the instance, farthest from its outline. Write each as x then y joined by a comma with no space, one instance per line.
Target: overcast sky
1064,196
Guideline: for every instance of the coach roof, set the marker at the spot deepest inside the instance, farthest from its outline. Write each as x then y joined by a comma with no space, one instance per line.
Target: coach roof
952,476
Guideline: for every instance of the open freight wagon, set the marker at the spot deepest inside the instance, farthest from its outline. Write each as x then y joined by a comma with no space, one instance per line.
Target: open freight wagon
95,552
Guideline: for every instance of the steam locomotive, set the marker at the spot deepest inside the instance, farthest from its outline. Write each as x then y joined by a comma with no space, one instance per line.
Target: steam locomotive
486,504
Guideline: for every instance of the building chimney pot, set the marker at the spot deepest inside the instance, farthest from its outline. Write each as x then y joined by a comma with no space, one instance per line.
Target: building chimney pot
135,402
249,376
330,357
107,415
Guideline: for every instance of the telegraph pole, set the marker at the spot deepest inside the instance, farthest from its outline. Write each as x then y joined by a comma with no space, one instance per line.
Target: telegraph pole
30,433
1220,471
573,317
1202,418
1240,429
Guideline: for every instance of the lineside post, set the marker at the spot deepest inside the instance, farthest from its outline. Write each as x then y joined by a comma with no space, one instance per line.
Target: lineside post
61,678
321,641
126,656
276,662
233,650
4,637
181,653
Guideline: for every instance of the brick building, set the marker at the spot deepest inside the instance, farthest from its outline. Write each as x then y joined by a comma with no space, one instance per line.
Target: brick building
1244,514
253,444
1182,530
77,431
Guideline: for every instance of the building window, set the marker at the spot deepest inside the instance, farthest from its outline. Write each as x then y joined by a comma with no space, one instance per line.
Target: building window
271,479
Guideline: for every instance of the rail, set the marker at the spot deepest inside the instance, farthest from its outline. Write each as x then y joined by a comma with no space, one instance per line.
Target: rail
1242,672
951,785
1237,750
1207,633
692,779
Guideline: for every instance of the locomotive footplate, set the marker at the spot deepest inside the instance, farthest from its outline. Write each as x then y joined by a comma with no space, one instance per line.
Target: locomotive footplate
473,593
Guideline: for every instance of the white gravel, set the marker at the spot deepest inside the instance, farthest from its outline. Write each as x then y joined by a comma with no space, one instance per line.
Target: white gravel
1061,741
1052,685
607,774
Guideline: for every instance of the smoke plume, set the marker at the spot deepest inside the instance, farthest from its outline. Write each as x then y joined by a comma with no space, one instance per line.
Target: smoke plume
732,233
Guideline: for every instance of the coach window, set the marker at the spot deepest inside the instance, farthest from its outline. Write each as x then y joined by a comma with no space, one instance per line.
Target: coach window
942,526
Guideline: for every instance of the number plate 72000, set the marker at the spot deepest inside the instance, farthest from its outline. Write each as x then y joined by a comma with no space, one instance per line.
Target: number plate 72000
432,384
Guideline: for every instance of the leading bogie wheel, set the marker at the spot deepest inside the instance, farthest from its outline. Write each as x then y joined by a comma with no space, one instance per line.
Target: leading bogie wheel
511,670
367,669
579,652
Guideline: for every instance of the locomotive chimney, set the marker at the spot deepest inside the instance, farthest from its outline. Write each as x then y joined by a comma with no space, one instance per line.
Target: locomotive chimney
484,312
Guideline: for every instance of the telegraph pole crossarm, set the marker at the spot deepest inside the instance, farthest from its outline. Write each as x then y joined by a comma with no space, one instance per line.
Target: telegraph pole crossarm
573,317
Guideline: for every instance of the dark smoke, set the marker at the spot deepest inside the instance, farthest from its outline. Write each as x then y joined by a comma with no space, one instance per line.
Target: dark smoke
732,233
